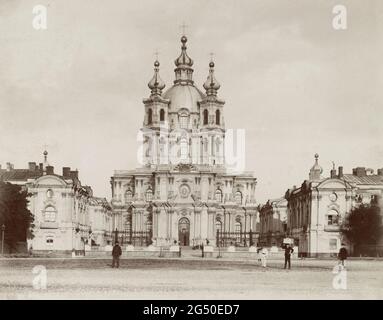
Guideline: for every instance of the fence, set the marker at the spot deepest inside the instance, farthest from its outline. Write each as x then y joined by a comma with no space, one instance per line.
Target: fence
135,238
238,239
368,251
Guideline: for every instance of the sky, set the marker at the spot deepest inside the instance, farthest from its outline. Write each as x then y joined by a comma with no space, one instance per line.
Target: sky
293,82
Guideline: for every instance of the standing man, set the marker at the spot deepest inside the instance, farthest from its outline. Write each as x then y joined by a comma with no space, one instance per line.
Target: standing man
342,255
116,253
288,252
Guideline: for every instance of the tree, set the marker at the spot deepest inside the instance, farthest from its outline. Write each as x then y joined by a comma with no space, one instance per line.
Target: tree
363,225
14,214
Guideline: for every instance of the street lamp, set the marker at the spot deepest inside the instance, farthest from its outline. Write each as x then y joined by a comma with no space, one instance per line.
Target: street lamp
2,238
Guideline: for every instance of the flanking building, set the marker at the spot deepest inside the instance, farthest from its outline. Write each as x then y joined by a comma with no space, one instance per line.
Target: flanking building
273,222
184,191
316,208
66,215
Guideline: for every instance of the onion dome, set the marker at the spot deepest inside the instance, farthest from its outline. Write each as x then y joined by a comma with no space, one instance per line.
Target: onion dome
211,85
183,70
156,85
183,59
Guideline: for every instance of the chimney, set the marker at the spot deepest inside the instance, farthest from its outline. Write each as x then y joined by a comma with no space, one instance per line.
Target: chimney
359,172
333,173
49,170
9,166
340,172
41,167
74,174
380,172
66,172
32,166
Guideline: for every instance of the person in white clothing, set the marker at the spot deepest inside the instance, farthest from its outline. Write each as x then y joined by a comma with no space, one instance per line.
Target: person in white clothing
263,253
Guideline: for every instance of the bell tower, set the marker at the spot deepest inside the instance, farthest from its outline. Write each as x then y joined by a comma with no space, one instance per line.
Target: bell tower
212,122
155,125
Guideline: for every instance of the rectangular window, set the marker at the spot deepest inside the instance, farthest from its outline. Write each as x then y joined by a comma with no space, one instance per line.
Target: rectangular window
333,244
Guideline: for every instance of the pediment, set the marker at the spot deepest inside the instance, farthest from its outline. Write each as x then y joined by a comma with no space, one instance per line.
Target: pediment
333,184
50,180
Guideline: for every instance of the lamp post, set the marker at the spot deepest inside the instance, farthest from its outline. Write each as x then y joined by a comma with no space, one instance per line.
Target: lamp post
2,238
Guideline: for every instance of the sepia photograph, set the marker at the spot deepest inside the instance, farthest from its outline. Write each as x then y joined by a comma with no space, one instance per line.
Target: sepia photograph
183,150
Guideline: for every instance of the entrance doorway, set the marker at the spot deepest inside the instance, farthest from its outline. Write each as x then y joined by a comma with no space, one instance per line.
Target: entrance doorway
184,231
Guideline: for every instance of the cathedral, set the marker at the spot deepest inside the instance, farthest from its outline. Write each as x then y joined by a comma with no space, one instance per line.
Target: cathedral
184,191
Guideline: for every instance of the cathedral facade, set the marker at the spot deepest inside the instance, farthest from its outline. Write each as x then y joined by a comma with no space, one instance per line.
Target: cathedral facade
183,192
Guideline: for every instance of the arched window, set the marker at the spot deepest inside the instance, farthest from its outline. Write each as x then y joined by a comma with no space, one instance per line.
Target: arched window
162,115
149,195
128,196
205,116
50,214
217,117
238,197
218,195
218,226
238,230
332,217
184,121
150,116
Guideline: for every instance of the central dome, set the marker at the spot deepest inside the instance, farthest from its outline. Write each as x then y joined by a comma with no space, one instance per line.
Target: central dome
184,96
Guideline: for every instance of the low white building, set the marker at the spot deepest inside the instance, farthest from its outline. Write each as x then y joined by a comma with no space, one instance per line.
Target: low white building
66,215
317,208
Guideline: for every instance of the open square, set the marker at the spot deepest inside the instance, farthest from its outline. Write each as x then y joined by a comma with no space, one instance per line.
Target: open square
155,278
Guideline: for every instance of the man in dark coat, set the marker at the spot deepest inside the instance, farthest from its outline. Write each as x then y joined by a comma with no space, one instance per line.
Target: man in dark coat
342,255
116,253
288,252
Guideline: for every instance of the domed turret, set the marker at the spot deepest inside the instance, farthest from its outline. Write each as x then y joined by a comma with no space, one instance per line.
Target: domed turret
183,70
211,85
183,59
316,170
183,94
156,85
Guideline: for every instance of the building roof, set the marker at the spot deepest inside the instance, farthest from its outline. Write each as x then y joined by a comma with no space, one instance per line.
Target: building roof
100,201
184,96
19,174
368,179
